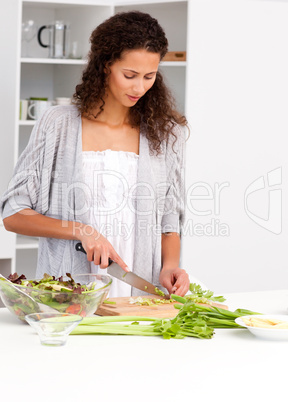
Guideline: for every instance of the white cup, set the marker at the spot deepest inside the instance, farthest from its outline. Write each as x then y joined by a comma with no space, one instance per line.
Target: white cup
76,52
23,109
36,108
63,101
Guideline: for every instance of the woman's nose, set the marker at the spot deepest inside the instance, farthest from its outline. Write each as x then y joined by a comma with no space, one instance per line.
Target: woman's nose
139,87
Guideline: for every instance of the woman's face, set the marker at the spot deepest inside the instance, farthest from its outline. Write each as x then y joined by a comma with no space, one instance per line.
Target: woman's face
132,76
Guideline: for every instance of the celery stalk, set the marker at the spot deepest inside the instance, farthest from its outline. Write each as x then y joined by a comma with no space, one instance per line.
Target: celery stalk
105,319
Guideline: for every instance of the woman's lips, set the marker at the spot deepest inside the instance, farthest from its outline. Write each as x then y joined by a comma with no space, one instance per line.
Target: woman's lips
133,98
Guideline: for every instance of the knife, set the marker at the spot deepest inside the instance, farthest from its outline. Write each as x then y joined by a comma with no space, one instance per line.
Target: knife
130,278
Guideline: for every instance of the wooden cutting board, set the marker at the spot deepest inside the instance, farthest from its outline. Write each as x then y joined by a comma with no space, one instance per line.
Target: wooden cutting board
124,308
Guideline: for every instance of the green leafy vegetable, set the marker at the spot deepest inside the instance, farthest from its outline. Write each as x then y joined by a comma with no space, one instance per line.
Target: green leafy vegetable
198,295
215,317
158,327
193,320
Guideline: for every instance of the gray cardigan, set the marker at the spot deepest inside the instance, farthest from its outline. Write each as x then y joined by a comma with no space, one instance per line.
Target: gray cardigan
48,178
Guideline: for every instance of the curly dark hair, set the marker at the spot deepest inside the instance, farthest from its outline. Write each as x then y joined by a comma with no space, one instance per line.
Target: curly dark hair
124,31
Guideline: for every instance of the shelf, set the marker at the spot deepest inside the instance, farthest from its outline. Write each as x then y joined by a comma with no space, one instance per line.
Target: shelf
27,122
68,3
76,62
82,62
173,64
119,3
26,243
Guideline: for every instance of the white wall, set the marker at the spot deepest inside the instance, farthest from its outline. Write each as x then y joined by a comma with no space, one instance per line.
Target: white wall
238,110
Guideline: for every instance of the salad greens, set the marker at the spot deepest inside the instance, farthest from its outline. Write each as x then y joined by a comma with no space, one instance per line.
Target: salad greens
49,282
64,295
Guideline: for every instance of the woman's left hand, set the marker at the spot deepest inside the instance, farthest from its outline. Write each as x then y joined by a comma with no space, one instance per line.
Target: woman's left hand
175,280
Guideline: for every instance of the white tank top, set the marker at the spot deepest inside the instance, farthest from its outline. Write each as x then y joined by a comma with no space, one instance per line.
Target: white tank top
110,177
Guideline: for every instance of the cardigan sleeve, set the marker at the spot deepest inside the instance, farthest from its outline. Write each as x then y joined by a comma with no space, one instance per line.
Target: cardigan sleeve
24,188
174,207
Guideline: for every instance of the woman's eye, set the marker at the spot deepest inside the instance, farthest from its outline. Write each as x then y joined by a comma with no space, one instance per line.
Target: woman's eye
130,77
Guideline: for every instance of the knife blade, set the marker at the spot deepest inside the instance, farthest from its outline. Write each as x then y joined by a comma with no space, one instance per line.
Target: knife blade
130,278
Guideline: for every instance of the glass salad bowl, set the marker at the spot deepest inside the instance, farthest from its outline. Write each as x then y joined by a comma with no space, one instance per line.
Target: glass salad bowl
81,294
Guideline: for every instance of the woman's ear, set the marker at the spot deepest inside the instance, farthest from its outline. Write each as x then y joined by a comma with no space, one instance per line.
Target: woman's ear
106,69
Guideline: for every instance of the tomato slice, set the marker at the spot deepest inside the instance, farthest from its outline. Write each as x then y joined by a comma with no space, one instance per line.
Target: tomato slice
74,309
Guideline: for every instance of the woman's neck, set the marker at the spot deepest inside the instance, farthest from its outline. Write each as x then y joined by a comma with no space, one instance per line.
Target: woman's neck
113,114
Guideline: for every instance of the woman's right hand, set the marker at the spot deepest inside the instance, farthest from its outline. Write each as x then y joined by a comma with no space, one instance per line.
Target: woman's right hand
30,223
99,249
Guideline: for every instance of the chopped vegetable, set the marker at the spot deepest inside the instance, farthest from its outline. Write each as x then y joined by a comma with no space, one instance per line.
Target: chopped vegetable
74,309
159,292
198,295
146,301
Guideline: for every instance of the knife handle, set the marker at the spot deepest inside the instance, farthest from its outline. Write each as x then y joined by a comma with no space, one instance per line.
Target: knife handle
79,247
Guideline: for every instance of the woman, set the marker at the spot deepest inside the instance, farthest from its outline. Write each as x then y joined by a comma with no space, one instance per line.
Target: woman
108,170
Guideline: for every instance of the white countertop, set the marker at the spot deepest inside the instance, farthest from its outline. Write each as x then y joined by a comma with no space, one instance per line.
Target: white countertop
232,366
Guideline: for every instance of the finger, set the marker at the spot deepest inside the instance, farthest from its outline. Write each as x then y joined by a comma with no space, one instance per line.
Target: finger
116,258
169,289
166,283
182,289
90,255
176,283
181,285
97,258
104,260
186,288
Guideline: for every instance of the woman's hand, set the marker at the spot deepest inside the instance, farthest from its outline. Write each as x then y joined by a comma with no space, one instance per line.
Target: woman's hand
98,248
175,280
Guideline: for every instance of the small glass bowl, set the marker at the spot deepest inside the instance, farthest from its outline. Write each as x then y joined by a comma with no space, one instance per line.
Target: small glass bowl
53,328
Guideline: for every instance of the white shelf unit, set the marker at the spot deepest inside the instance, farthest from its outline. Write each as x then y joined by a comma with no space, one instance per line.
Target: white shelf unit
44,60
27,123
39,76
81,62
26,243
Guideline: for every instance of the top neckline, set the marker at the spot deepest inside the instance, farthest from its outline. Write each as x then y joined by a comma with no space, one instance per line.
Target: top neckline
105,151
